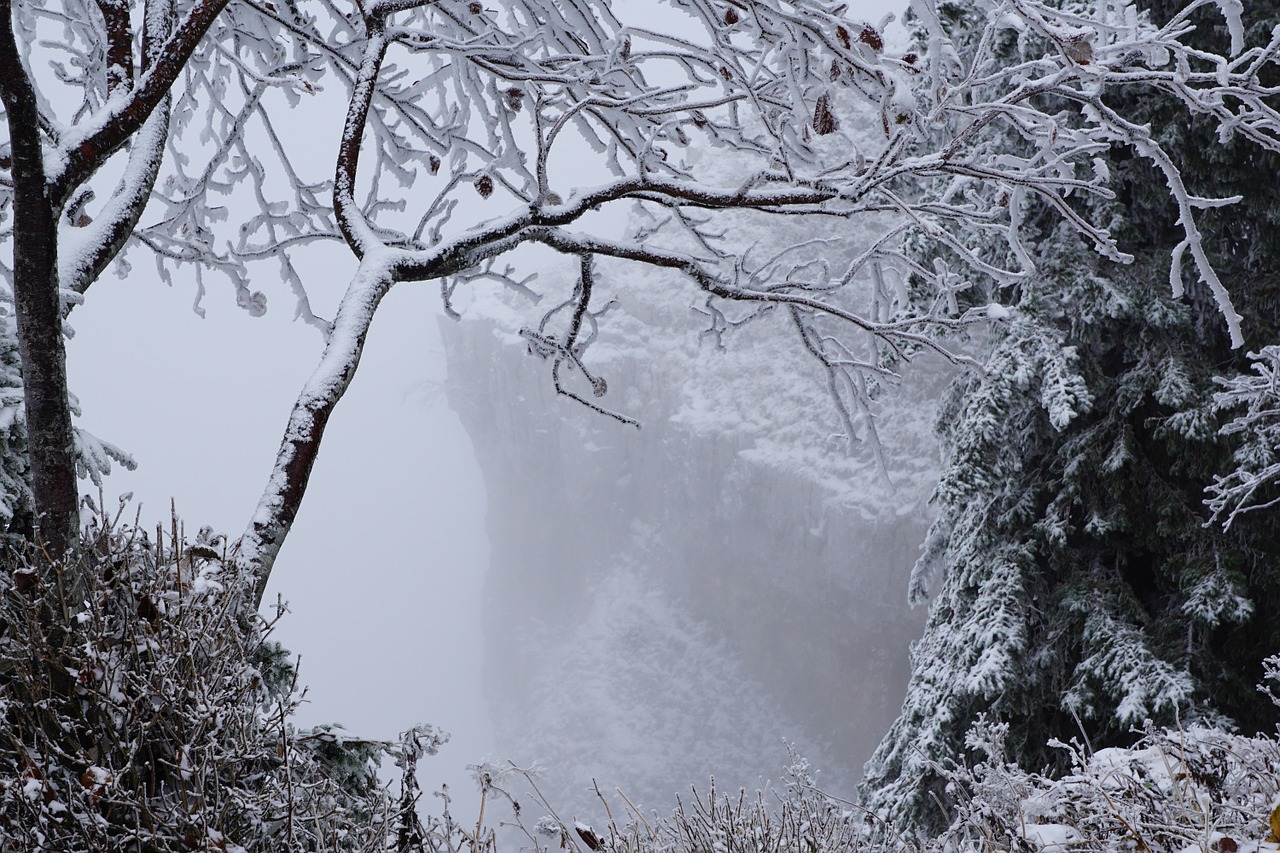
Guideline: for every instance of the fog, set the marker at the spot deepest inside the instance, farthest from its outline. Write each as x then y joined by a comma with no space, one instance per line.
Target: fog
690,598
661,604
383,571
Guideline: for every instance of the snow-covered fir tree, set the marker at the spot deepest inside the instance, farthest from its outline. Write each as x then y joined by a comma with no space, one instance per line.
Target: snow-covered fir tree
94,457
1078,587
15,499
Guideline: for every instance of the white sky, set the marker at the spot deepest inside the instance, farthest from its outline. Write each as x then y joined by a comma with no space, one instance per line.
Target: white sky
384,568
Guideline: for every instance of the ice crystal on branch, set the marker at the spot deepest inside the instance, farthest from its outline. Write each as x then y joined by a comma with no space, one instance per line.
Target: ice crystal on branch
1252,485
1075,586
556,114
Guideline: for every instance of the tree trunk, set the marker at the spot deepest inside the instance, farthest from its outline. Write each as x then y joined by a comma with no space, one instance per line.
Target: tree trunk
273,520
50,440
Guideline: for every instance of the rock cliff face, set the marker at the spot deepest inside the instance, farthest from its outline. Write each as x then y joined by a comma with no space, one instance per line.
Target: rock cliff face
672,602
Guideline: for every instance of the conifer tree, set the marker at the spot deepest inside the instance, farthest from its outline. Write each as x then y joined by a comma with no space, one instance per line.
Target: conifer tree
1080,590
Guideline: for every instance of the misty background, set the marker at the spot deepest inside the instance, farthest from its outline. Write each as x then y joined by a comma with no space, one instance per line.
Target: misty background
551,587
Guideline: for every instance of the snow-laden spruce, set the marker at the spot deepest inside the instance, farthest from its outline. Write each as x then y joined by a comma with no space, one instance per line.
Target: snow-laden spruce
1251,485
1077,582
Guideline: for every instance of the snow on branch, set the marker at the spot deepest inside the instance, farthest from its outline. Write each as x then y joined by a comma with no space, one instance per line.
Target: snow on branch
525,122
1252,485
473,130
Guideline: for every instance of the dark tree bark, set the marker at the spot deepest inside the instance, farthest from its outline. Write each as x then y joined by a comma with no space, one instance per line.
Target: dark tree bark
51,444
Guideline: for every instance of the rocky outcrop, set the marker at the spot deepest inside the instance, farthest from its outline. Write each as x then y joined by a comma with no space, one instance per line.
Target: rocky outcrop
674,601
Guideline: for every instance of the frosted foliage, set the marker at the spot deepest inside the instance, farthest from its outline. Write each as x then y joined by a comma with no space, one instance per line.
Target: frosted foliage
1144,685
517,122
160,717
1031,367
14,493
1217,598
96,456
1196,788
971,652
1252,485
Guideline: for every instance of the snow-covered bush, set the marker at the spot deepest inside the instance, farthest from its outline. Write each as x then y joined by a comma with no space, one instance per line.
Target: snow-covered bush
1182,790
1194,788
1197,790
1176,790
150,711
153,713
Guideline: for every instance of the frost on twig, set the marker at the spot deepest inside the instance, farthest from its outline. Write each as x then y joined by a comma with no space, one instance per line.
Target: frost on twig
1253,484
474,130
156,713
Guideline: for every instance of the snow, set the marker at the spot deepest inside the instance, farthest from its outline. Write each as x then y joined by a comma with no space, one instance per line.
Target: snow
1051,837
81,249
1233,12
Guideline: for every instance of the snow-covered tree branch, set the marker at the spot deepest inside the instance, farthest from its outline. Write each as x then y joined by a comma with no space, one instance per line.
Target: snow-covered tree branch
473,130
1074,581
1251,486
779,125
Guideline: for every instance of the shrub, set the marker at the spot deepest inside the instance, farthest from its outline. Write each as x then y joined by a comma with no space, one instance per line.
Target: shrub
150,711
